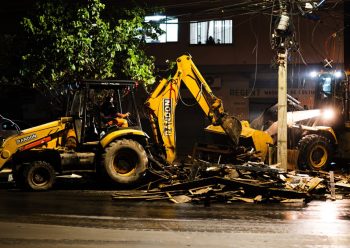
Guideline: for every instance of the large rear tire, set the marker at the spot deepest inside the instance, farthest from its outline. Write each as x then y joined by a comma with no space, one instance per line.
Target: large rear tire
125,161
315,152
39,176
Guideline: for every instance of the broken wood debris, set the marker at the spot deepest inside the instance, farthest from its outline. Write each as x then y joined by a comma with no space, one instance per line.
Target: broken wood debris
203,182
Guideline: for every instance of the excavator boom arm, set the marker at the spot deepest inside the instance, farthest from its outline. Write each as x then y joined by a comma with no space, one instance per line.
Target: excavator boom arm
162,103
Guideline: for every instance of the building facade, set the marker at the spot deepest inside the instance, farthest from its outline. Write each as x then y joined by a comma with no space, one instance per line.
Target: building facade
233,51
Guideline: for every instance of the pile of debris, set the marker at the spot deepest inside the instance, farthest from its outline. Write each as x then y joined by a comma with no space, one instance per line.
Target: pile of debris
199,181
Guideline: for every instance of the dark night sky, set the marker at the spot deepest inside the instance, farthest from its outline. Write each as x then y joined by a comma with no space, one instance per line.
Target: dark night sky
11,13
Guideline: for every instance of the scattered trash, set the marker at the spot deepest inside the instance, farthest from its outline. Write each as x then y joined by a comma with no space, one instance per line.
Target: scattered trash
199,181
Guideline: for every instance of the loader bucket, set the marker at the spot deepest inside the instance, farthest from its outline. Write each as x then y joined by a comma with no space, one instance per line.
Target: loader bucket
232,127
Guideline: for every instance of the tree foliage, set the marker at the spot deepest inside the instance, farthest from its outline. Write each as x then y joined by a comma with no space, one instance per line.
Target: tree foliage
69,42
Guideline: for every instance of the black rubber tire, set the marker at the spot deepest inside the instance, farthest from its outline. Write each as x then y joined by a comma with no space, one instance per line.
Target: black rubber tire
39,176
125,161
315,152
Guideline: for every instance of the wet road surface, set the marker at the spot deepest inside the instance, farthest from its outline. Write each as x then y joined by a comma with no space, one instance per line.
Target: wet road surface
89,218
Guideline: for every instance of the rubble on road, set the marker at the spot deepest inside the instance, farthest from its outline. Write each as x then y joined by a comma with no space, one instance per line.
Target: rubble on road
199,181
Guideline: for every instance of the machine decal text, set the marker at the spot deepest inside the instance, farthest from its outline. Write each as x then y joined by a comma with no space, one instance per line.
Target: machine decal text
25,139
167,120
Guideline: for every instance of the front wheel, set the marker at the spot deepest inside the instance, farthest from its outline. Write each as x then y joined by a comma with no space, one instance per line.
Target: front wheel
38,176
125,161
315,152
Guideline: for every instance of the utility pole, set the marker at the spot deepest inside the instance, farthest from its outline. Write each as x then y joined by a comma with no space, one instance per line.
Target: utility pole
282,110
283,40
281,44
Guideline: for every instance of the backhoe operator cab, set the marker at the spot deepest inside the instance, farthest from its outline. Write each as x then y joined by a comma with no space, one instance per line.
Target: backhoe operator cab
96,106
332,95
83,142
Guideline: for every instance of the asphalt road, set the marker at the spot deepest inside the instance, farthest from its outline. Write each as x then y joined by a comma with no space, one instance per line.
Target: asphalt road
90,218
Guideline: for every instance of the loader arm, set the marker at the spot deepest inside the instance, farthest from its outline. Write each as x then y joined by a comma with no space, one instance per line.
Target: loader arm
43,135
163,100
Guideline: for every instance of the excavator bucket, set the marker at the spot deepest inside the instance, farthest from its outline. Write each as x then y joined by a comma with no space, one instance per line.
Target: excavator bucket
232,127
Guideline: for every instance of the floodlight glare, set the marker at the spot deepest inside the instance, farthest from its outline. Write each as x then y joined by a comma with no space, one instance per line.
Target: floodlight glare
328,114
337,74
313,74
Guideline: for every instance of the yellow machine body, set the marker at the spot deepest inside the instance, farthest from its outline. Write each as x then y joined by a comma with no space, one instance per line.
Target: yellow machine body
261,139
48,135
163,100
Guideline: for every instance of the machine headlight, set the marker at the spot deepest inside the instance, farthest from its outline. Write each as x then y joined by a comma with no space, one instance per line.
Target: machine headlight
328,114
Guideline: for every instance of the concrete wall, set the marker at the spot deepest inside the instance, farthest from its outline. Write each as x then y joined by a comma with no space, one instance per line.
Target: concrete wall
317,41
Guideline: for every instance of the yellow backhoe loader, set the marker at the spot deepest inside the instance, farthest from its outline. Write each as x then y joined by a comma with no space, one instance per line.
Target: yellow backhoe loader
86,141
81,142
